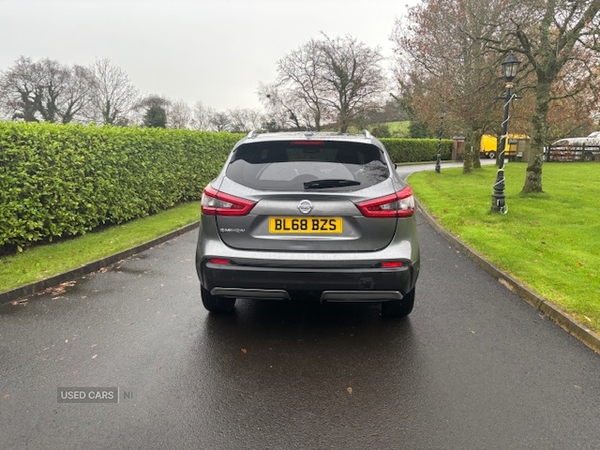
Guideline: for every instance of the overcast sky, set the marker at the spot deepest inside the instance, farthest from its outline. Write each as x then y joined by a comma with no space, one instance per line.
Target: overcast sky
213,51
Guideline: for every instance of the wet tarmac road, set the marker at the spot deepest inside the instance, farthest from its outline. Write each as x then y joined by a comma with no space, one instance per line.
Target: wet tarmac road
474,367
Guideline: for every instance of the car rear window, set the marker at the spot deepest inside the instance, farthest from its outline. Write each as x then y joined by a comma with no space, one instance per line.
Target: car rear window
292,165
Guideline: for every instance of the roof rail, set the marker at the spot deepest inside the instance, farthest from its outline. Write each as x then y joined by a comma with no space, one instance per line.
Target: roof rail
367,134
252,134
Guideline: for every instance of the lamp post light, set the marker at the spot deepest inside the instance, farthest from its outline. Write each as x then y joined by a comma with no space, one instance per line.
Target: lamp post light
510,67
438,161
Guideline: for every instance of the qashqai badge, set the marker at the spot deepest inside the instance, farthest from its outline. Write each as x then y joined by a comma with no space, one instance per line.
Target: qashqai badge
305,207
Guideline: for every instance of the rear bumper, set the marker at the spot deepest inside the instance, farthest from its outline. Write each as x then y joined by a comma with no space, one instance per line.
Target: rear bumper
331,284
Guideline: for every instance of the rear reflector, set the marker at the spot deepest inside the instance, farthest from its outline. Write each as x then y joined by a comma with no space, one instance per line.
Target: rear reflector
219,261
215,203
389,264
400,204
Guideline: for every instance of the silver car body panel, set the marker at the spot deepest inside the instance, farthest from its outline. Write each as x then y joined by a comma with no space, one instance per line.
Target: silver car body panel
252,231
340,267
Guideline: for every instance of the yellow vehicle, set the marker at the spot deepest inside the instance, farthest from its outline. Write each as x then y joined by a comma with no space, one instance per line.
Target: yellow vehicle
489,145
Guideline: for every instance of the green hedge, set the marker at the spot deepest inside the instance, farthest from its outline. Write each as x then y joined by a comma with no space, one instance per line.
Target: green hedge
64,180
58,180
416,150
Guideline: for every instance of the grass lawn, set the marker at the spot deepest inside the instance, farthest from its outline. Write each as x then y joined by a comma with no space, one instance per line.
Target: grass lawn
549,241
44,261
399,129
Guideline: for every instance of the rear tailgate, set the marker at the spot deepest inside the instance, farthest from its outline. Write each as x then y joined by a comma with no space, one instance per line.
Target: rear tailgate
331,222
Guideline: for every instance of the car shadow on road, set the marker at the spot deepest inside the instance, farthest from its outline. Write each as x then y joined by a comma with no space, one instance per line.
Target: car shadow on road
306,318
301,362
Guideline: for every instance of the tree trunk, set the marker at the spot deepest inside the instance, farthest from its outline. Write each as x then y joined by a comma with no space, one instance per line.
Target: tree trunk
467,160
344,125
477,149
469,154
476,134
539,131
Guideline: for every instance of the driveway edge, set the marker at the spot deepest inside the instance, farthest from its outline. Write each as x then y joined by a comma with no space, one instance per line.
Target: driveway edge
558,316
39,286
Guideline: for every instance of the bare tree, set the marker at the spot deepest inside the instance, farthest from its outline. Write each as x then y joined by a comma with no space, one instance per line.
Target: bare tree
557,39
113,95
283,107
238,121
77,94
220,121
328,78
19,89
301,76
45,90
202,117
352,77
180,115
243,120
443,61
54,79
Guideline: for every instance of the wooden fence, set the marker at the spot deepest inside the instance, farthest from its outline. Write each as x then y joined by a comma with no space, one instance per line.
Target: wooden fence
568,153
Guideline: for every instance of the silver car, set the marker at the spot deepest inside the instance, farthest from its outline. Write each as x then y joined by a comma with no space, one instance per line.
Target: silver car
294,215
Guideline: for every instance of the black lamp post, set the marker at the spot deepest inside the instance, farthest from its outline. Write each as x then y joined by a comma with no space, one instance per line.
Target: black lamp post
510,68
438,161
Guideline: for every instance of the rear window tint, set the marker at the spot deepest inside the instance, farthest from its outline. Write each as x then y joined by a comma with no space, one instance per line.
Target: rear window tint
288,165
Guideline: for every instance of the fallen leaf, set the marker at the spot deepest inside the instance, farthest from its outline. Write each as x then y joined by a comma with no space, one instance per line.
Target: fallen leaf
350,390
244,351
505,283
19,302
5,396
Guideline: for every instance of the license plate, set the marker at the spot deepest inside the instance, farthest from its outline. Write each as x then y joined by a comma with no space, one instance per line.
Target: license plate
308,225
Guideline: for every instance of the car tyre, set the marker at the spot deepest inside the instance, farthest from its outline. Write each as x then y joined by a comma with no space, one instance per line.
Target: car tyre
216,303
491,155
399,308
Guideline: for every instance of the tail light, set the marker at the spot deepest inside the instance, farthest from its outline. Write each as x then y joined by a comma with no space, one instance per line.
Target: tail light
400,204
215,203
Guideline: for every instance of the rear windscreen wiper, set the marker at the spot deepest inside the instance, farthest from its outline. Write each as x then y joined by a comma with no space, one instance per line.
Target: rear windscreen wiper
322,184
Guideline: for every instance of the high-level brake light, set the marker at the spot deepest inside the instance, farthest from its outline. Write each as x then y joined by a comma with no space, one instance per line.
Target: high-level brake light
307,142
